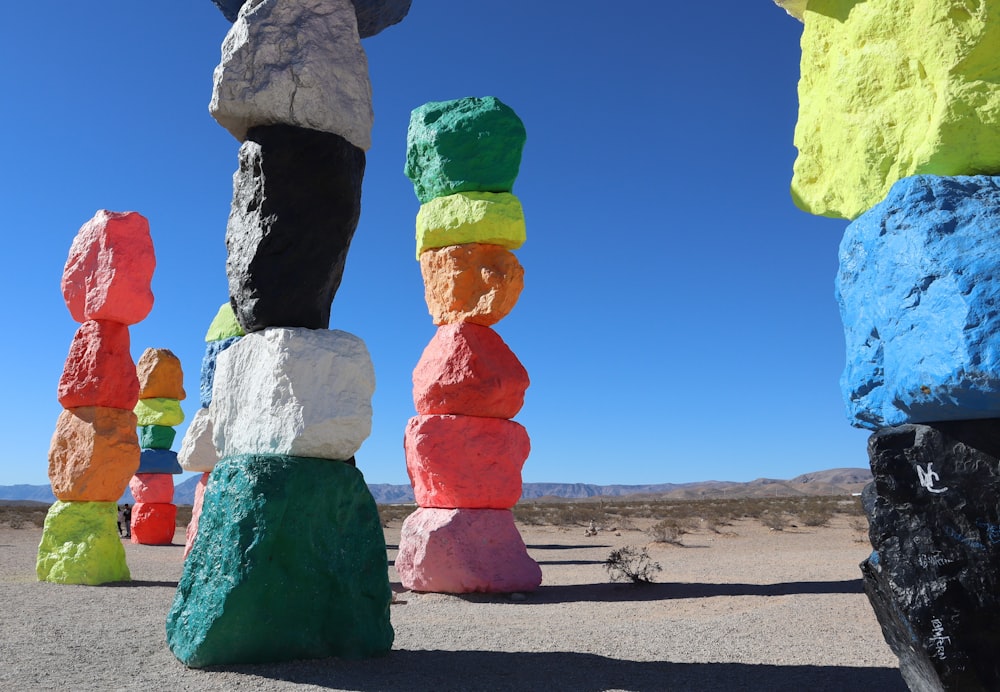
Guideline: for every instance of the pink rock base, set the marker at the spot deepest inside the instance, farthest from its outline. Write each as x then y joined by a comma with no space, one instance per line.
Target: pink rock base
152,487
464,551
192,527
153,523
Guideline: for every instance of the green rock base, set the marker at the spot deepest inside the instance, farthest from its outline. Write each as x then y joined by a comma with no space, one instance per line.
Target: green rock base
80,545
289,563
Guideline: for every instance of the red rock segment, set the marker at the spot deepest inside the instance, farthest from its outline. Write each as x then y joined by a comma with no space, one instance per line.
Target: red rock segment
192,528
153,523
152,487
99,370
472,282
467,369
465,461
464,551
109,269
94,452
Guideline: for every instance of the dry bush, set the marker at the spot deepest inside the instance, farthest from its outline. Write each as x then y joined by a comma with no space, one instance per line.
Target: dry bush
629,563
389,514
23,516
816,517
859,525
773,519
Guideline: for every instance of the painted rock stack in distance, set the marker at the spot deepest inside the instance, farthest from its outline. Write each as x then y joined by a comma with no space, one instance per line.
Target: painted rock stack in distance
463,453
161,390
95,449
899,110
289,558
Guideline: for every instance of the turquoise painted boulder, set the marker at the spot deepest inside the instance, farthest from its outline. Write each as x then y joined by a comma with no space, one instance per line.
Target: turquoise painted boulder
471,144
289,563
919,294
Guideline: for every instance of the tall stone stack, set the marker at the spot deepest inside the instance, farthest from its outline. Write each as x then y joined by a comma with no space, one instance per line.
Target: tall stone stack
464,454
899,130
95,449
289,557
161,390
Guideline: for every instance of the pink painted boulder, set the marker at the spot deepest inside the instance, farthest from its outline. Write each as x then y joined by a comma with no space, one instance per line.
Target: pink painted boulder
464,551
99,370
153,523
467,369
465,461
152,487
192,528
109,269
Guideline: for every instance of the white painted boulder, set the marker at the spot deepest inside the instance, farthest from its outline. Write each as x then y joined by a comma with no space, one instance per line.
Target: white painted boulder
197,451
294,391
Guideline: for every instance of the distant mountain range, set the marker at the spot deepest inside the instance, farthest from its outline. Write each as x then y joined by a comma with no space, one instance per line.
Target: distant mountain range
831,482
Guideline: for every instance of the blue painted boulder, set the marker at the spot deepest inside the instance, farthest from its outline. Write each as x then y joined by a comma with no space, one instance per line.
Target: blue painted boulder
919,294
212,351
158,461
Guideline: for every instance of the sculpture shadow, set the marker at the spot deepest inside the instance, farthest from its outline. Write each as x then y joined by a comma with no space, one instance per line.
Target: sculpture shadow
615,592
420,671
570,562
138,583
563,546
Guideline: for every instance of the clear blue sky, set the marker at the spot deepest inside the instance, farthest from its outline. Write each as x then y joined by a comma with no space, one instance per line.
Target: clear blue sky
678,319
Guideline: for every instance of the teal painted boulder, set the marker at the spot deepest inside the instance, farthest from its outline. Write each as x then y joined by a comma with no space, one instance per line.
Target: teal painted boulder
289,563
470,144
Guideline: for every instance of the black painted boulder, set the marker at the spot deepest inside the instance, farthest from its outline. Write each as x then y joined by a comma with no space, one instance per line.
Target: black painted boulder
296,203
934,576
373,15
289,563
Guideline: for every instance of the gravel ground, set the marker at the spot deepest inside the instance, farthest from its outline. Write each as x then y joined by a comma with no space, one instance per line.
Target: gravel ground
751,610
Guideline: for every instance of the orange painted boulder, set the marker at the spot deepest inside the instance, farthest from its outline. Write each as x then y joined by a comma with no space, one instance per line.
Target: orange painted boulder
109,269
465,461
153,523
93,454
160,375
467,369
464,551
473,282
152,487
199,499
99,370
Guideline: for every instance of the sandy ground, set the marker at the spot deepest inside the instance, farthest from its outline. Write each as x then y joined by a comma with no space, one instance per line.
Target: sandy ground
751,610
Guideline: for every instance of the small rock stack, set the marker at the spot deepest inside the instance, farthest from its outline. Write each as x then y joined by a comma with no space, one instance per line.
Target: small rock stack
463,453
289,558
95,449
161,390
899,130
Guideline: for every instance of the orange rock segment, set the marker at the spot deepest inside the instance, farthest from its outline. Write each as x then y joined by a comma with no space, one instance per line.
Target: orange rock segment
93,454
109,269
153,523
99,370
160,375
473,282
152,487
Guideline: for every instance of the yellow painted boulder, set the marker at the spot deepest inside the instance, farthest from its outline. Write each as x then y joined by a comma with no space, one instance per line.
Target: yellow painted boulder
471,217
890,89
159,411
80,545
93,454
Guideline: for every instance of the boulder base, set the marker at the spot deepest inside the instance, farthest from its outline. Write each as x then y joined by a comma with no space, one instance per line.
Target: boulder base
153,523
80,545
93,454
152,488
472,282
464,551
289,563
99,370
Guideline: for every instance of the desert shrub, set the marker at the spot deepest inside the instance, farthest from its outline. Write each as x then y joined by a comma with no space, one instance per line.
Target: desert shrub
816,517
668,531
629,563
859,525
775,520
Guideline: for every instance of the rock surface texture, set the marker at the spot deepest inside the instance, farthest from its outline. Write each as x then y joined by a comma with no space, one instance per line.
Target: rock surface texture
472,282
207,380
935,527
892,89
296,203
919,294
197,451
93,454
99,370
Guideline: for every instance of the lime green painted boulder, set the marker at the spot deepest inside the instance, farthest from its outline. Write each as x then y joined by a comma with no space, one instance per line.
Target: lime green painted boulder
224,325
890,89
471,217
156,436
289,563
159,411
80,545
467,144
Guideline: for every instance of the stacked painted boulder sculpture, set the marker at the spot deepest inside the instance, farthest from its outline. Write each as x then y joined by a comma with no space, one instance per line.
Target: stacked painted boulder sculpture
95,449
289,557
161,389
898,130
463,453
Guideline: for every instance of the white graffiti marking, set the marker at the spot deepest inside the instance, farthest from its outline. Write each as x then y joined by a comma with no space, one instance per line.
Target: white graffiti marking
938,639
928,477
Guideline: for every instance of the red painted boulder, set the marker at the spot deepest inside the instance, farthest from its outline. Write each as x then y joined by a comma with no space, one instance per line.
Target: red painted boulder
471,282
192,528
467,369
93,454
464,551
109,269
465,461
152,487
160,375
99,370
153,523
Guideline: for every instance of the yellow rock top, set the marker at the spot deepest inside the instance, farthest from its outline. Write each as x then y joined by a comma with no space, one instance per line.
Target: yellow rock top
890,89
796,8
495,218
80,545
159,411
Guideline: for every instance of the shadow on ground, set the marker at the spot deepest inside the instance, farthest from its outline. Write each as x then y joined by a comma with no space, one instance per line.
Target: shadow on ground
418,671
670,591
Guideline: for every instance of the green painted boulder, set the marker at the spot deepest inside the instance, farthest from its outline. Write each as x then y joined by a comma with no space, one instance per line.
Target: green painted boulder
224,325
156,436
467,144
80,545
289,563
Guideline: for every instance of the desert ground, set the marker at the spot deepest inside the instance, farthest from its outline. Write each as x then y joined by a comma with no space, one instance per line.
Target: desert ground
743,607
